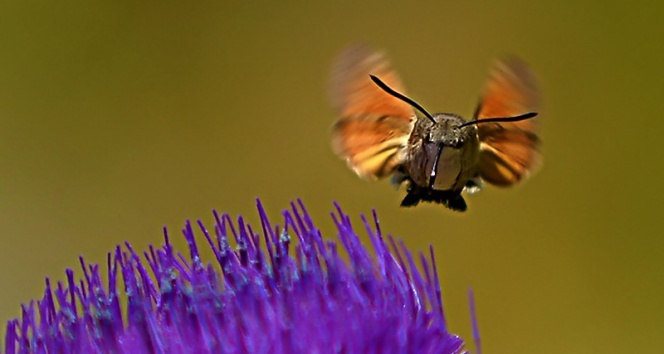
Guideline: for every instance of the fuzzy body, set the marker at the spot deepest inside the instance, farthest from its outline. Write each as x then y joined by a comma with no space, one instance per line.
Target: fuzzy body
441,160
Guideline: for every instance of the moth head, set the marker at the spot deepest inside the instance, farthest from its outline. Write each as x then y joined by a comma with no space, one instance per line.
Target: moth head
446,131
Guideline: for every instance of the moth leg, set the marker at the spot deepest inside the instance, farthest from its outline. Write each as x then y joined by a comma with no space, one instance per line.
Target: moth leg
473,185
399,177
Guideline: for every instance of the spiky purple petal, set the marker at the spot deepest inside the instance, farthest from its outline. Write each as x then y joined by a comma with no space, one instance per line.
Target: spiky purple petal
281,297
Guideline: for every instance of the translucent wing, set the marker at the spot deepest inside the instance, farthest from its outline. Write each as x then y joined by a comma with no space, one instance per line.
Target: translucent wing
509,151
373,126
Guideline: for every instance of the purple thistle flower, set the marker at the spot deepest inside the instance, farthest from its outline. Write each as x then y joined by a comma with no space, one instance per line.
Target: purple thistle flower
280,297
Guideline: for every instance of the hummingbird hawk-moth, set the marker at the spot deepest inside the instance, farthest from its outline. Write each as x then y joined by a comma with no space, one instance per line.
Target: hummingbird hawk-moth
437,156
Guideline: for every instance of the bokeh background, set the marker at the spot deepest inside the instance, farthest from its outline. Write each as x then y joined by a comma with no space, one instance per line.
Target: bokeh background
118,118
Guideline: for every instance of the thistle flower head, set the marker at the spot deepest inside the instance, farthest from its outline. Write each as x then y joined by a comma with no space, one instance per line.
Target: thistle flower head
281,289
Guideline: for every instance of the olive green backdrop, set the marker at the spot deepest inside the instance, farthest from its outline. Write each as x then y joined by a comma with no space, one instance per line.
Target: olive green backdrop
118,118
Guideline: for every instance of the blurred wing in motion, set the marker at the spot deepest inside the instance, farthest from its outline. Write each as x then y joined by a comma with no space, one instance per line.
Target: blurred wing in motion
509,151
373,126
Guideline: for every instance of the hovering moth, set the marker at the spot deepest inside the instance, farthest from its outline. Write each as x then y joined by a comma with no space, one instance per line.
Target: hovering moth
437,156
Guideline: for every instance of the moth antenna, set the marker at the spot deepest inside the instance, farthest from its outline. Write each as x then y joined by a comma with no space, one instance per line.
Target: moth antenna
389,90
524,116
417,106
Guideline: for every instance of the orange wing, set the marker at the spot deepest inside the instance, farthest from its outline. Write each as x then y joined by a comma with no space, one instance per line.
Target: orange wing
509,151
373,127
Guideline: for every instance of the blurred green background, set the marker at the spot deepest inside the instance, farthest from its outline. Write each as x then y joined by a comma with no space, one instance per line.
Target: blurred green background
118,118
